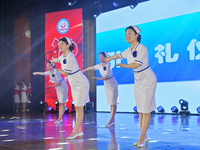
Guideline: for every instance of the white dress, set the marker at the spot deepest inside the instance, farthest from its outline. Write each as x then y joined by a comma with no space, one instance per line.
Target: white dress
77,80
62,89
23,94
16,94
110,85
145,80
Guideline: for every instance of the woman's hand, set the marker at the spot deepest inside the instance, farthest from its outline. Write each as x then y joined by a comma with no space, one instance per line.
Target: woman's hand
58,70
54,60
121,64
94,78
49,86
83,71
34,73
107,59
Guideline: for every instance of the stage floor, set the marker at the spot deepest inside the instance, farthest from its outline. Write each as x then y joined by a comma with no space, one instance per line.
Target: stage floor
38,132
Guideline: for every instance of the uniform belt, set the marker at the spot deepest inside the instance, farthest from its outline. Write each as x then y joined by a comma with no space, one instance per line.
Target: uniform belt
141,70
74,72
109,77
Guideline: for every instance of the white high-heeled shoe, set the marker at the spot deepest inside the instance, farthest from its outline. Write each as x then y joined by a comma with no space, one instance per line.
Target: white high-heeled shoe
57,122
110,125
135,144
146,141
72,137
80,134
140,145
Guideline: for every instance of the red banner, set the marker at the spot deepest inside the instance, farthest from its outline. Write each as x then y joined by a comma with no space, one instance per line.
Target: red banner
61,24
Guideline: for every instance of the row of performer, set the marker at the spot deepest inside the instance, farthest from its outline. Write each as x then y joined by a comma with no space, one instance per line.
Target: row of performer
144,82
22,95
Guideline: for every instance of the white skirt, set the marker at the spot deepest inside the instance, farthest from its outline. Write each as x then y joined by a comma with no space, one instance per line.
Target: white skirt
111,90
62,92
16,98
144,90
80,88
23,97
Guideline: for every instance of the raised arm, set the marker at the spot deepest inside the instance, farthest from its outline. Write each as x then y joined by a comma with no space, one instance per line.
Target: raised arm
108,59
102,78
89,68
62,72
38,73
58,83
131,66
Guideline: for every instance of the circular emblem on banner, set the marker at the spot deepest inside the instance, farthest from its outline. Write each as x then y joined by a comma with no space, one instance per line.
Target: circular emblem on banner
63,26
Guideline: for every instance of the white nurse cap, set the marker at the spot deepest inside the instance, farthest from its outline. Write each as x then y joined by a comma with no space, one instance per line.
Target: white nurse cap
137,29
69,41
106,54
52,63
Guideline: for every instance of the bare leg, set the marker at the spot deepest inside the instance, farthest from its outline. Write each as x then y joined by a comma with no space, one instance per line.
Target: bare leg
113,109
140,120
79,120
24,106
17,106
145,124
61,111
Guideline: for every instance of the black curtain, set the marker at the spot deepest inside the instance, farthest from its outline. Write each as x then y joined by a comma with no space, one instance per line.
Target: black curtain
37,55
6,58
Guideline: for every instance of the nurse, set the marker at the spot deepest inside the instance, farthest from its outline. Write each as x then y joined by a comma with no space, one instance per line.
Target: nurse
77,80
144,79
110,85
23,95
60,85
29,96
16,95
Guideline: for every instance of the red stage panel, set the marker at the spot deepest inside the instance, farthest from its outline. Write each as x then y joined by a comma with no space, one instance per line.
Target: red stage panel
61,24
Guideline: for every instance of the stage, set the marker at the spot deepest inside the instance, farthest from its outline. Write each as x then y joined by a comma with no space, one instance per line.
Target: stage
30,131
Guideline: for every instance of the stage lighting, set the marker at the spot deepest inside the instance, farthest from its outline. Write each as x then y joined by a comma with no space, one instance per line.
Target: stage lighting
133,4
174,109
184,104
43,106
73,107
50,109
89,106
135,109
56,103
66,108
97,8
97,14
160,109
115,3
198,109
184,107
72,2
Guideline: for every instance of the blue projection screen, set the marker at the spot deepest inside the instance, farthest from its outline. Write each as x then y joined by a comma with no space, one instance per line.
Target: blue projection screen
171,33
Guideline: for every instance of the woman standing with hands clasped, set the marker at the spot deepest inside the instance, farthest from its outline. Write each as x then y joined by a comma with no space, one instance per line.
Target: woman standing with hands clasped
23,95
77,80
145,79
110,84
60,85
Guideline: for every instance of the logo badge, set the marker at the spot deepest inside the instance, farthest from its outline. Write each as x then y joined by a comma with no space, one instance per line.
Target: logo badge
63,26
